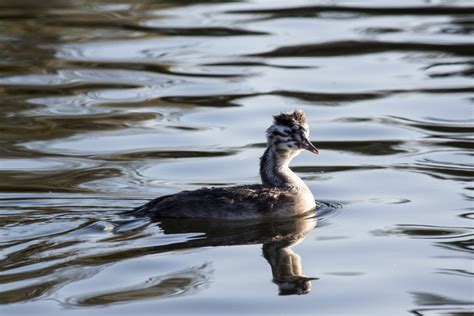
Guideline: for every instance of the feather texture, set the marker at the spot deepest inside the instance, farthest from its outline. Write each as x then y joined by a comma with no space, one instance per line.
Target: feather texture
248,201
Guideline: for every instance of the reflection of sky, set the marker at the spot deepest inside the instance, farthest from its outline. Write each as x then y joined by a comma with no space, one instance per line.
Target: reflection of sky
106,104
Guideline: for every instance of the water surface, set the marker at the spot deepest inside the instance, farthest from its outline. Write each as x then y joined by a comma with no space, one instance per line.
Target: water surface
106,104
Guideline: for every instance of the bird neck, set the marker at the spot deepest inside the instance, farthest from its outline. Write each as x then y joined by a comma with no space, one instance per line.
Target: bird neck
285,263
275,170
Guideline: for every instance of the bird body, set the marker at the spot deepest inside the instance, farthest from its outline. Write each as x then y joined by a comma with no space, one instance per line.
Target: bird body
281,194
237,202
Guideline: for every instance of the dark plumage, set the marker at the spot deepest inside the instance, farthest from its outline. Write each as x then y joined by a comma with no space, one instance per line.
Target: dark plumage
228,202
294,118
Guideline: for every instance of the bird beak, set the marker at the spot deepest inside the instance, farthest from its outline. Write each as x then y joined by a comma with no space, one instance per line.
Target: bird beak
310,278
306,144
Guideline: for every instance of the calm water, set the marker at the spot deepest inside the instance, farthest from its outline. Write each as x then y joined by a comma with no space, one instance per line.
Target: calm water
106,104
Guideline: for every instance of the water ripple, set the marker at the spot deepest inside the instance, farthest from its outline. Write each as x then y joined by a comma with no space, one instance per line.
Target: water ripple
364,47
105,105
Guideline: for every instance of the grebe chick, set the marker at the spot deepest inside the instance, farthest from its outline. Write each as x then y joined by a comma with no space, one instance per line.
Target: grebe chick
281,194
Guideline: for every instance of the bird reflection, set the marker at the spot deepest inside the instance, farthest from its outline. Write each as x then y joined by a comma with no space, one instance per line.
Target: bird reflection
286,269
277,238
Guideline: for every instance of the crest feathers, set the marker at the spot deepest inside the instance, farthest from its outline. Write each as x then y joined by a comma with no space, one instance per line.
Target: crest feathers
297,117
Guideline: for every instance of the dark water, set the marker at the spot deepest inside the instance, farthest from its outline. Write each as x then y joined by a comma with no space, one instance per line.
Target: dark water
105,104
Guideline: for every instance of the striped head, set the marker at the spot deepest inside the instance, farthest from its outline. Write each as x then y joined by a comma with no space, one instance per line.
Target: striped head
289,133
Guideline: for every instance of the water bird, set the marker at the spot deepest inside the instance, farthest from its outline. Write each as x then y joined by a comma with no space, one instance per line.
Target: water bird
281,194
